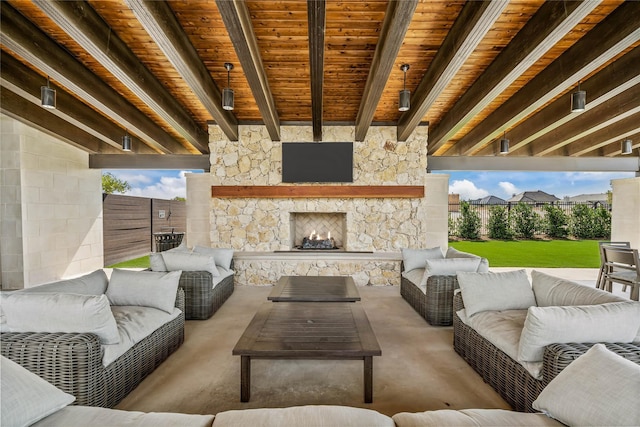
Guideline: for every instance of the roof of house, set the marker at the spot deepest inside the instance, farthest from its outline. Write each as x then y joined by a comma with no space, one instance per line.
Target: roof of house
588,198
533,196
489,200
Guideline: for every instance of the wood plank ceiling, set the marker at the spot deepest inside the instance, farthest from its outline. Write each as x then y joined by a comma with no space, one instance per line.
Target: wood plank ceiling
479,71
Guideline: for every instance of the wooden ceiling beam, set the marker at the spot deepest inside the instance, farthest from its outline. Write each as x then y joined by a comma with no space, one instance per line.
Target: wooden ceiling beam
610,37
87,28
589,122
150,161
397,19
615,149
546,28
29,42
609,82
237,20
21,80
158,20
475,20
316,17
618,131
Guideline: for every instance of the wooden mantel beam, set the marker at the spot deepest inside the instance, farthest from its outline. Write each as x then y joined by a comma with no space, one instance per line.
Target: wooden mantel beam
316,14
397,19
473,23
317,191
88,29
158,20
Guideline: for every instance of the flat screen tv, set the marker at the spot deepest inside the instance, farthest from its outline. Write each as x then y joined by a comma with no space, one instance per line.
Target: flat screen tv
317,162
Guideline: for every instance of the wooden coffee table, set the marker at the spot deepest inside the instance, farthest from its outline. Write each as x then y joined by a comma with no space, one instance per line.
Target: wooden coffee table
315,289
303,330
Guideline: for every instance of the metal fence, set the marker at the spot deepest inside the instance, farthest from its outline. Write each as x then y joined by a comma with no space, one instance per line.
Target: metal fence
483,211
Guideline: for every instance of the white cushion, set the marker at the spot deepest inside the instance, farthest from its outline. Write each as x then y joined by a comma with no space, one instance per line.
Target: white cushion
454,253
495,291
448,267
550,290
27,398
223,256
190,262
599,388
472,418
156,262
610,322
94,283
417,258
144,288
44,312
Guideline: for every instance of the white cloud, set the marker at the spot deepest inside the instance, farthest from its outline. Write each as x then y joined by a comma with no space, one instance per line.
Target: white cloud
166,188
467,190
508,188
134,179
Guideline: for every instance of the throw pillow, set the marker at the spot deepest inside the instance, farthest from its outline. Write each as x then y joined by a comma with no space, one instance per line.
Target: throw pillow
508,290
27,398
49,312
610,322
144,288
550,290
599,388
417,258
156,262
190,262
223,256
448,267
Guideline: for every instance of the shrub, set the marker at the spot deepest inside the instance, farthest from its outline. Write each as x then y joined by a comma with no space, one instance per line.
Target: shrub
453,226
525,221
582,222
601,223
499,227
469,226
555,222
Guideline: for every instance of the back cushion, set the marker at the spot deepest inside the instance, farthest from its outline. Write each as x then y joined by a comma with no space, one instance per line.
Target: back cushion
223,256
190,262
90,284
144,288
417,258
551,290
44,312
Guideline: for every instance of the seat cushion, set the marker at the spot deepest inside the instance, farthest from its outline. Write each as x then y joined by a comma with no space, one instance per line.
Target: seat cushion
472,417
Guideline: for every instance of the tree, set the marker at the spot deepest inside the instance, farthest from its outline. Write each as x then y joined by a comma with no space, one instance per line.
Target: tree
499,227
525,220
111,184
469,227
555,222
180,199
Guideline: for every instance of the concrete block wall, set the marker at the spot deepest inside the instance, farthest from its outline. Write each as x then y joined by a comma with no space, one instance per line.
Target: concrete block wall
625,215
51,208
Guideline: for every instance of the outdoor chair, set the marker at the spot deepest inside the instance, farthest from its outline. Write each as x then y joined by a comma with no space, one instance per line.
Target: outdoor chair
601,273
622,265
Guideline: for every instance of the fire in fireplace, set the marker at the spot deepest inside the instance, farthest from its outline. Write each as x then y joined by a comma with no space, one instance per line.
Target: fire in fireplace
318,241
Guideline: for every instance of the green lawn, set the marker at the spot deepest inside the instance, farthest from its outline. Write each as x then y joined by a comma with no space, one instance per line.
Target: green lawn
142,262
535,253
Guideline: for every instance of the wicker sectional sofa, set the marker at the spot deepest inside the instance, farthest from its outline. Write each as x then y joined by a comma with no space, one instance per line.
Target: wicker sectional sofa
433,299
204,294
515,383
75,361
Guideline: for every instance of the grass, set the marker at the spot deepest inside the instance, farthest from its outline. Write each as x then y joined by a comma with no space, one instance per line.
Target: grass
535,253
513,253
142,262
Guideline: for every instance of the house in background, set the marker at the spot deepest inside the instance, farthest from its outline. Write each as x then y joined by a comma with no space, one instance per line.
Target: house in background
488,200
533,197
588,198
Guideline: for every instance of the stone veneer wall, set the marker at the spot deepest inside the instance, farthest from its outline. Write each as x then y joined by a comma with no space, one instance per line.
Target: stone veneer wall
373,224
51,221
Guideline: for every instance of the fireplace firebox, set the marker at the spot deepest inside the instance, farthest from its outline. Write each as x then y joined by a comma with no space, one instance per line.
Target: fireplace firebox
318,230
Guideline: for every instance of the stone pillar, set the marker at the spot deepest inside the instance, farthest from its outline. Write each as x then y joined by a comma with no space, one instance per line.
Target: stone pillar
198,209
436,188
625,216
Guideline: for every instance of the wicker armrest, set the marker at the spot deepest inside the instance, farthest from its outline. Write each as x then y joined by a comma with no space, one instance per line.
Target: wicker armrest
70,361
458,303
180,299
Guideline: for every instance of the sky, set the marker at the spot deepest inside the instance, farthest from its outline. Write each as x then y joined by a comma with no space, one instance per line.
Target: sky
168,184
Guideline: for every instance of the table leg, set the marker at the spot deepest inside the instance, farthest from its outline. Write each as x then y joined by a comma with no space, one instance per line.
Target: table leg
368,379
245,378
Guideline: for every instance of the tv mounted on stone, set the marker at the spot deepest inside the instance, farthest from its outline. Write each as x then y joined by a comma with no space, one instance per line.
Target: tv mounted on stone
317,162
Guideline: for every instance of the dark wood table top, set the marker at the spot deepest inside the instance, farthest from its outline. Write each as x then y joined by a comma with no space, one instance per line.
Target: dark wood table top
309,330
315,289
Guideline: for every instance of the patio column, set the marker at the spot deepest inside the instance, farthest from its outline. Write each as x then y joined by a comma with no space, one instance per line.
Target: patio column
436,188
625,216
198,209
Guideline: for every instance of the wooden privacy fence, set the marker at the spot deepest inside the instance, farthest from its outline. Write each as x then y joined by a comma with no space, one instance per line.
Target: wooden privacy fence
129,224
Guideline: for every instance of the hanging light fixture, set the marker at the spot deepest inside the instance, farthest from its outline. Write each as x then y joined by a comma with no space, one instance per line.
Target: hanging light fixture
504,144
626,147
227,92
47,96
404,97
126,141
578,100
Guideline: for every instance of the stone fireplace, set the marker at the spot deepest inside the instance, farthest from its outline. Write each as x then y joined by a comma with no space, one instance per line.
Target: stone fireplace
370,229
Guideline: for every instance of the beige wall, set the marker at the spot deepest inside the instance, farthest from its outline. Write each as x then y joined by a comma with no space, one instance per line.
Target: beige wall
625,215
51,208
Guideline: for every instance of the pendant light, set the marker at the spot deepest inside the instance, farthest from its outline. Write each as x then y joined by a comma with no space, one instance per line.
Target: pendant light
227,92
48,96
504,144
578,100
404,97
626,146
126,142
